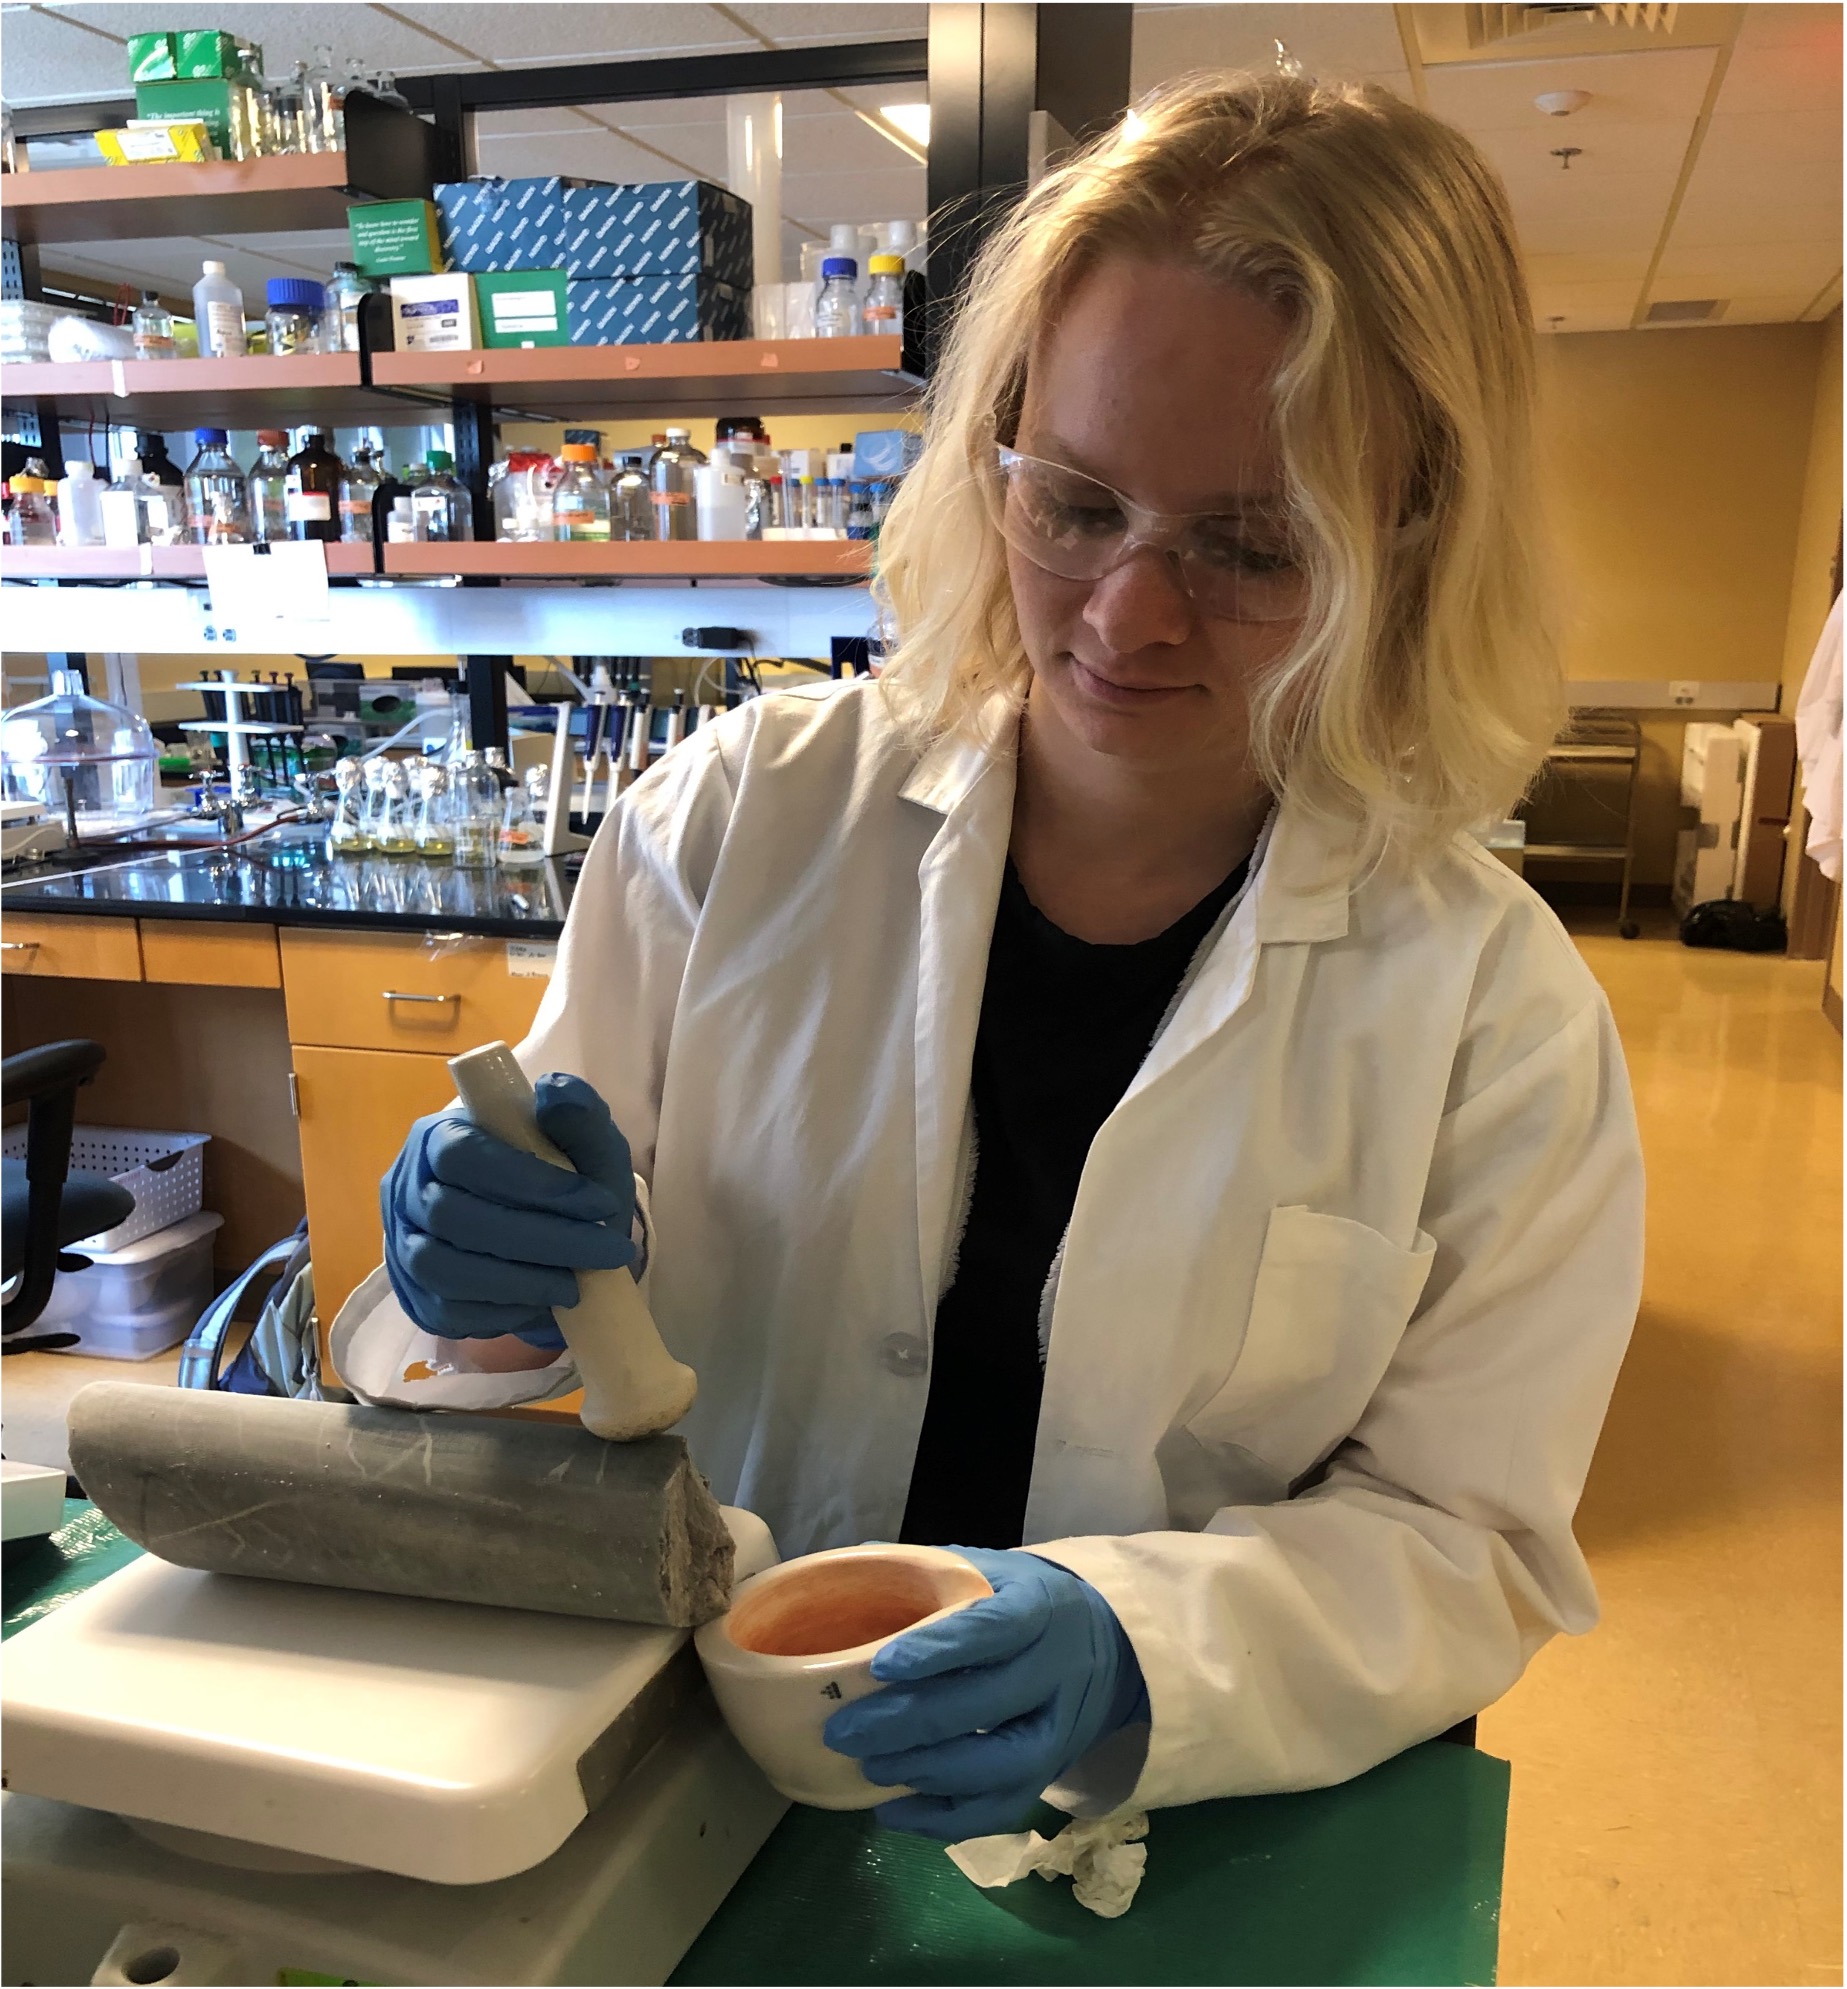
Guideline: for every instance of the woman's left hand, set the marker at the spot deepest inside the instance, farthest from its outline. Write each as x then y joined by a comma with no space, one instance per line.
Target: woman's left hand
982,1711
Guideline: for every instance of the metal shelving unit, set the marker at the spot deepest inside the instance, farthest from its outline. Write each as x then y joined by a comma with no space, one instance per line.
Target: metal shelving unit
1593,746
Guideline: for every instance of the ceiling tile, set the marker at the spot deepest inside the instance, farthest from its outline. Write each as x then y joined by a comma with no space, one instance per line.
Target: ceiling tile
795,26
520,35
1768,139
1752,267
1776,24
1660,91
887,196
1719,209
1335,42
842,143
1785,75
1543,272
47,61
288,33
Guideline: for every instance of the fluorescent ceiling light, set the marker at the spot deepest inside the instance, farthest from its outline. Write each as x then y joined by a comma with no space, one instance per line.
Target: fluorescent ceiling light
912,119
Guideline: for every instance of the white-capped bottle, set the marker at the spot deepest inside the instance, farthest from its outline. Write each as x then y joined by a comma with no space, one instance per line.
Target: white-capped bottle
218,310
124,516
80,506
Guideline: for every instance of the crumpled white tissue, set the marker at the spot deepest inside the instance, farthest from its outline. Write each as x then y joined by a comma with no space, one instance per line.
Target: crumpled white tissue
1102,1856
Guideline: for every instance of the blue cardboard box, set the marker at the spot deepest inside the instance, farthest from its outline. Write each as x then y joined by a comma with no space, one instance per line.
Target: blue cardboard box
655,310
589,228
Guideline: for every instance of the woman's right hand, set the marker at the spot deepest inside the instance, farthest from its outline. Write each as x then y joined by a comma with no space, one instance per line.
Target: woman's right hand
483,1240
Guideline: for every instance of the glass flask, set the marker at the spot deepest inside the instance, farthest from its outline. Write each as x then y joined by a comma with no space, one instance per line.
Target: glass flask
285,112
474,815
397,834
94,763
435,837
324,104
346,294
522,838
372,813
346,836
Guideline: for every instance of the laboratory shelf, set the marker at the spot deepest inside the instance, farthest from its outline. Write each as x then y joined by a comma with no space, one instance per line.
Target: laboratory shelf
712,559
802,375
143,562
389,156
256,392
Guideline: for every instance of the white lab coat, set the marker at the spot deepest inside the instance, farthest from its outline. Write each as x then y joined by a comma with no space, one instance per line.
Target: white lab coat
1350,1273
1818,741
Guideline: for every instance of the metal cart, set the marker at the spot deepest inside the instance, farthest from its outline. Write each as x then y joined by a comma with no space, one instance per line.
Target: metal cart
1595,759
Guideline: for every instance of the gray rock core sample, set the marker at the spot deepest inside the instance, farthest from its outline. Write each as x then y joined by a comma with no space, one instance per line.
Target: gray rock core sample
488,1509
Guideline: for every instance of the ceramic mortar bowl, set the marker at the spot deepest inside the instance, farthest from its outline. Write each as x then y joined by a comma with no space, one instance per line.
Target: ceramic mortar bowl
798,1642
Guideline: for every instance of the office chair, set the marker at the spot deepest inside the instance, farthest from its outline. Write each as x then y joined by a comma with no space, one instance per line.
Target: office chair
43,1205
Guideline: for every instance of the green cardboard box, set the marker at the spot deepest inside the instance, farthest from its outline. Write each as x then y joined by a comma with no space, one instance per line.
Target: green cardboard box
216,101
395,238
152,58
207,52
523,307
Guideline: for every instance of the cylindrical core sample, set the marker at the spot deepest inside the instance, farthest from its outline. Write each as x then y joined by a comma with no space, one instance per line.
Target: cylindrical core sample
515,1513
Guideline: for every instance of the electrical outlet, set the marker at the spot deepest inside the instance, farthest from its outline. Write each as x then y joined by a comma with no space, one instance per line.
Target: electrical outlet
1682,691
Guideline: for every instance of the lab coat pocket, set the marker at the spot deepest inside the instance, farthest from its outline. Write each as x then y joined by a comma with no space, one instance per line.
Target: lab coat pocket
1331,1303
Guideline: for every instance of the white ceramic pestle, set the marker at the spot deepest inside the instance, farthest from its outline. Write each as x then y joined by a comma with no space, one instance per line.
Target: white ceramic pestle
632,1385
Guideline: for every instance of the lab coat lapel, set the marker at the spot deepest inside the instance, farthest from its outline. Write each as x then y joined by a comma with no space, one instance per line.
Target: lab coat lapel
971,786
1300,893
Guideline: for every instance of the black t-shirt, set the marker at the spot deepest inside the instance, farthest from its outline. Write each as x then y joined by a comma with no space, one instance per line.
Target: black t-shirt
1065,1025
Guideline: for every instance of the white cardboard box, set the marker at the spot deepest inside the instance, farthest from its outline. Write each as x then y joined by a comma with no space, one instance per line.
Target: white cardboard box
435,313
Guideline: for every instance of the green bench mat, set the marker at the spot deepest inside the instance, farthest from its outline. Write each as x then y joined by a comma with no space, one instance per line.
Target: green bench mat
1394,1877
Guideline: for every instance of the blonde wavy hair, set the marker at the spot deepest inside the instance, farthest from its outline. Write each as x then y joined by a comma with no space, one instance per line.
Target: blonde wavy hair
1424,685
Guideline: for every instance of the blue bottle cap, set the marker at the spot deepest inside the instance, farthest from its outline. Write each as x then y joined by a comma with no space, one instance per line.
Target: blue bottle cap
300,292
202,436
838,266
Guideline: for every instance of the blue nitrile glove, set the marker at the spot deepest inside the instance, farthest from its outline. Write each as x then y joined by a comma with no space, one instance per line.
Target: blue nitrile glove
983,1710
481,1239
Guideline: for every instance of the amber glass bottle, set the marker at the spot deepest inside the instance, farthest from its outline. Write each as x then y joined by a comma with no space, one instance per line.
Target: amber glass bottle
313,500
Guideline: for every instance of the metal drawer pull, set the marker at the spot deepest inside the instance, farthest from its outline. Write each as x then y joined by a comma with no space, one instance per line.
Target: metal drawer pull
19,945
393,994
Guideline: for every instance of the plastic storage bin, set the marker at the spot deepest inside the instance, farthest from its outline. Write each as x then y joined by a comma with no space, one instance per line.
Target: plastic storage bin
165,1172
134,1303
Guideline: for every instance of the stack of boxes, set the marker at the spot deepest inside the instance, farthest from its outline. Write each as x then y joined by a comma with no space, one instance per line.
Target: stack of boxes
580,262
201,75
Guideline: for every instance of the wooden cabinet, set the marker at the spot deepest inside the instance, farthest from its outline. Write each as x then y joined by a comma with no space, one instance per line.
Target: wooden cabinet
355,1106
78,949
210,953
435,994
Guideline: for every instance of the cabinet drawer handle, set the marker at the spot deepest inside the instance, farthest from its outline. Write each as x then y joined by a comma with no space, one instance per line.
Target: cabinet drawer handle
393,994
19,945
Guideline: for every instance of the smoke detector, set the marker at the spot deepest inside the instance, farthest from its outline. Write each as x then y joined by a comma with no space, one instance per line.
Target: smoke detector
1561,103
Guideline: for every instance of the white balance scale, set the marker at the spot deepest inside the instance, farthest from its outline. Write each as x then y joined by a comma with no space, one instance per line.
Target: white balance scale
221,1779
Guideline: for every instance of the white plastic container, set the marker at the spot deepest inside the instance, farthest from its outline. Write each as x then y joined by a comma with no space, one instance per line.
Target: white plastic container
218,311
165,1172
718,495
132,1304
80,506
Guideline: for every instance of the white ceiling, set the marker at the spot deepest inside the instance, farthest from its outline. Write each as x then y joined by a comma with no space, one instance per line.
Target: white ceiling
1709,162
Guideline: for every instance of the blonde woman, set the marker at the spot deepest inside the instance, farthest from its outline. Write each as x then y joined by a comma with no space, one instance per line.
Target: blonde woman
1097,1104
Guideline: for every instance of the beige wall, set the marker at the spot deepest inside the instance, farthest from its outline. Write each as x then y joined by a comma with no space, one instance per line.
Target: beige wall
1676,466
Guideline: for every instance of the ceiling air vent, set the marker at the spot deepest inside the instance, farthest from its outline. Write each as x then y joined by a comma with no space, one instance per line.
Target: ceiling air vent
1685,311
1489,24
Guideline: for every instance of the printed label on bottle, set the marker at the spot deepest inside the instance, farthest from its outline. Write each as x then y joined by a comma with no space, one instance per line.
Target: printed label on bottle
149,346
880,315
304,507
224,330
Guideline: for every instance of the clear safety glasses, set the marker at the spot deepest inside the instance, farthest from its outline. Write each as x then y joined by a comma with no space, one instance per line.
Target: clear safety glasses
1234,566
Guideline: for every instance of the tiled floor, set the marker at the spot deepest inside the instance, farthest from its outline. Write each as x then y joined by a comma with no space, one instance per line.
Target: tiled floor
1677,1774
